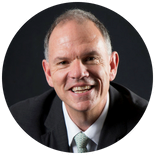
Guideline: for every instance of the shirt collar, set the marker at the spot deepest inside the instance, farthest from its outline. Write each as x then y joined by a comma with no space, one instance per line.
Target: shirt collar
72,129
93,132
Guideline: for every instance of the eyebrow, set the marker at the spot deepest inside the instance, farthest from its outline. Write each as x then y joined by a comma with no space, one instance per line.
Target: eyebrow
60,58
90,53
82,55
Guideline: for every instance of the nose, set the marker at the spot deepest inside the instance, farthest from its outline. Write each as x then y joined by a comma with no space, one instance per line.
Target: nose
78,70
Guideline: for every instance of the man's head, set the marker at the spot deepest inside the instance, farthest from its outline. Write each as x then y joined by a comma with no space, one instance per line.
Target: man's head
80,16
79,64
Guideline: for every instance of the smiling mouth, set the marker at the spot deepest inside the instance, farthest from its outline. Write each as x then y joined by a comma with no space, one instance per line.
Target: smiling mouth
81,89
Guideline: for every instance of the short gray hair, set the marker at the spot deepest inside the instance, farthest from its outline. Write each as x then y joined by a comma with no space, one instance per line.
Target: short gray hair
80,16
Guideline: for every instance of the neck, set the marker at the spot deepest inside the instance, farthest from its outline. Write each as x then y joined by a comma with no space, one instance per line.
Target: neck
83,120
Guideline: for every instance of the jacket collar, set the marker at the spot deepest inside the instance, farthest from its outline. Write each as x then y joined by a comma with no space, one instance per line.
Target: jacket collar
114,127
56,134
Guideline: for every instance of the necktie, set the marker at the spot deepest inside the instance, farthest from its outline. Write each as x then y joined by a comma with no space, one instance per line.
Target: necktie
81,141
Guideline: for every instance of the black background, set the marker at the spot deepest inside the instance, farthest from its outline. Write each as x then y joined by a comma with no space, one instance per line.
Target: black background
23,76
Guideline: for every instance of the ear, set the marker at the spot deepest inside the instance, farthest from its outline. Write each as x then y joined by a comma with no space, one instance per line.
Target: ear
114,60
47,72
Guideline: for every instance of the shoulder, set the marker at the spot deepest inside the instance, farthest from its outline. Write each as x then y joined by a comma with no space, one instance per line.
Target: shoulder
128,96
31,113
129,106
30,104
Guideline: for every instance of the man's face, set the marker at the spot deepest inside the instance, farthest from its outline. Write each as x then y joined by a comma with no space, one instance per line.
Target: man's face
79,67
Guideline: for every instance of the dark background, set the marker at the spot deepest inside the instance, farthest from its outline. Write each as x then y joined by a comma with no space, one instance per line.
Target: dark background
23,76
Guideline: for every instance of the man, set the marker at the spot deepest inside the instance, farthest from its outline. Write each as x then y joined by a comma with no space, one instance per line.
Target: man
84,112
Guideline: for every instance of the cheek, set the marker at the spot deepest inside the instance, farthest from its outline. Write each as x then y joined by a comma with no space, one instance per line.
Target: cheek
101,76
58,77
100,72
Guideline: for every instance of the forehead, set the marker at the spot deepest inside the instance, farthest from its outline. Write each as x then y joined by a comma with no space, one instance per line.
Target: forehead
72,34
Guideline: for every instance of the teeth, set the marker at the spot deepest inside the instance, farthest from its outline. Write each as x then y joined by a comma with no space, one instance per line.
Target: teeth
81,89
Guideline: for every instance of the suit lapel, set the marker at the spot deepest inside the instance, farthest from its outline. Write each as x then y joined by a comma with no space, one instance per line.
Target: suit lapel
56,134
114,127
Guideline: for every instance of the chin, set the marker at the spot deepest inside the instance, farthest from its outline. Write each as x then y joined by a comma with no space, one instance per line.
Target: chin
83,106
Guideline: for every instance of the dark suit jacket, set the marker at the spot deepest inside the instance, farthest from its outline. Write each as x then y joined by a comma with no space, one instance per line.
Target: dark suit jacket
42,117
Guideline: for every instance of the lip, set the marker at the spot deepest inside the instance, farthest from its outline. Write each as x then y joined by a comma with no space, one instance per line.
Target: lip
80,85
81,94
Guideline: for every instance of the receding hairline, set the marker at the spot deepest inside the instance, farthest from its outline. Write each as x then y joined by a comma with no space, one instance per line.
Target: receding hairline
63,23
79,16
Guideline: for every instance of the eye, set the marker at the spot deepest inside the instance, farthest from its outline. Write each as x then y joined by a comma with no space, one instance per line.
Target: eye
63,63
90,58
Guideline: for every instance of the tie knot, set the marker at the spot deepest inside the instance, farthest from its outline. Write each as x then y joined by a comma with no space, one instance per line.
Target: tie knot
81,141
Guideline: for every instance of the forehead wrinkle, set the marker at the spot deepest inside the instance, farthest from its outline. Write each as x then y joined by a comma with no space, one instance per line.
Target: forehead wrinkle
71,51
70,48
80,40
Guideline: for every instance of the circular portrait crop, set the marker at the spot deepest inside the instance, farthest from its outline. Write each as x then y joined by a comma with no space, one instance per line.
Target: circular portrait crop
77,77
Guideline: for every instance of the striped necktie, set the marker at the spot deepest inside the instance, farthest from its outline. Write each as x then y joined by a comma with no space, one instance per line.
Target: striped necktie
81,141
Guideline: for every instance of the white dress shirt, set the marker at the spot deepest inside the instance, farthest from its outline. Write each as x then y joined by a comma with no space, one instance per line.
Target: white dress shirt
93,132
